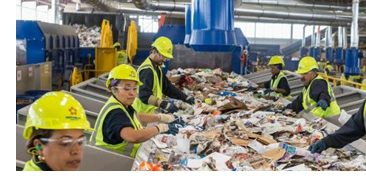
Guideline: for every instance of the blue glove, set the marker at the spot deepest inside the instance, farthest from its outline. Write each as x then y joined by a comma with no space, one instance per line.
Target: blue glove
190,100
179,120
268,90
169,107
250,88
323,104
318,147
173,128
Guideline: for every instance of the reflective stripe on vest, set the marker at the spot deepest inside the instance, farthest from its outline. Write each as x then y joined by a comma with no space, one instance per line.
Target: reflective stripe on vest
125,147
274,84
310,105
157,89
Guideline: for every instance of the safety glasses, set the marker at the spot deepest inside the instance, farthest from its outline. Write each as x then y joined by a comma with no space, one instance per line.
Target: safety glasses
66,142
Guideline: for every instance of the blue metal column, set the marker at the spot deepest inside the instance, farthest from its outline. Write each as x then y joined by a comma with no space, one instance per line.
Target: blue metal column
188,24
352,62
213,25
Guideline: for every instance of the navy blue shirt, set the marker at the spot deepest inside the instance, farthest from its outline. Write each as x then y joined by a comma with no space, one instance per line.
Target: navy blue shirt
351,131
145,91
113,124
318,91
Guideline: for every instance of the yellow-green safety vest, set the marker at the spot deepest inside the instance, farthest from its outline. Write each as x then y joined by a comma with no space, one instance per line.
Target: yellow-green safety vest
125,147
121,57
275,83
31,166
310,105
157,91
364,115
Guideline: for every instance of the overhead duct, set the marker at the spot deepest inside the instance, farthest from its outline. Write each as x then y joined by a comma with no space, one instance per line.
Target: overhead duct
296,5
260,12
339,57
353,54
288,21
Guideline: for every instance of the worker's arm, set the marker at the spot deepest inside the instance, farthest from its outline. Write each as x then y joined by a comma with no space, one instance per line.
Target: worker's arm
319,91
148,118
171,91
265,85
349,132
283,87
146,76
296,104
139,136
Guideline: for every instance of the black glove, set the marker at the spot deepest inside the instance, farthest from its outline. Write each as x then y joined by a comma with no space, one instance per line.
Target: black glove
190,100
318,147
178,120
323,104
289,106
250,88
169,107
173,129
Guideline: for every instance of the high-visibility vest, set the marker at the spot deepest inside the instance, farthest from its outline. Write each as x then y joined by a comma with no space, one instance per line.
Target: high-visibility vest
97,138
310,105
364,115
31,166
275,83
157,89
121,57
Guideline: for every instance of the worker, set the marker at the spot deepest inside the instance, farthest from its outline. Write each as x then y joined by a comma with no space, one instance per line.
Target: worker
118,126
155,83
317,96
352,130
121,55
278,85
328,68
55,133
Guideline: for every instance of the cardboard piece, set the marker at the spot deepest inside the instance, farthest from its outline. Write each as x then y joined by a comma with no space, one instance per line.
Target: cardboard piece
241,142
234,104
265,140
212,133
274,154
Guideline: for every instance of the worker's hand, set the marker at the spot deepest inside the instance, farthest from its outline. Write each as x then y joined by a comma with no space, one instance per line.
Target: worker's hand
173,128
162,127
169,118
323,104
251,88
169,107
190,100
267,91
318,147
289,106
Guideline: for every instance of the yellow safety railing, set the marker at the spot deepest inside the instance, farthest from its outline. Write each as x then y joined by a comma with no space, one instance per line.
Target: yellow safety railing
342,81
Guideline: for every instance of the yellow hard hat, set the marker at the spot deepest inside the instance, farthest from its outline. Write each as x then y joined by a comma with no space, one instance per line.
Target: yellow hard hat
123,72
55,111
307,64
164,46
117,44
276,60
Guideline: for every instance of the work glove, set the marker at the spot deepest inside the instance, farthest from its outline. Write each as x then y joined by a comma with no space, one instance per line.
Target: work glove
323,104
169,107
318,147
289,106
169,118
190,100
267,91
173,128
251,88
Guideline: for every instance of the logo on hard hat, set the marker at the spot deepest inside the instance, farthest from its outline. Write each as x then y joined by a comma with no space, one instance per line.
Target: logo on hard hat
72,111
133,74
